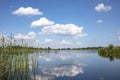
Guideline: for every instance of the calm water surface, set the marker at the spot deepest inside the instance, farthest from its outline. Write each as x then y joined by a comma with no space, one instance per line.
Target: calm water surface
74,65
62,65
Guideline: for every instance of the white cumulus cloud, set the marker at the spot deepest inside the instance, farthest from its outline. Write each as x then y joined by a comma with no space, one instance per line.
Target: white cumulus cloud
119,37
64,42
99,21
47,41
29,11
30,35
19,36
102,8
63,29
2,35
54,43
41,22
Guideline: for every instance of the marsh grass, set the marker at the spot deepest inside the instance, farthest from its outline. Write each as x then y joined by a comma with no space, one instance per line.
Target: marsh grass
13,67
10,45
14,59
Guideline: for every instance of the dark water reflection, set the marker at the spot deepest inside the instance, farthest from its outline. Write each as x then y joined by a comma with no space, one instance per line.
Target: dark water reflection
110,56
59,65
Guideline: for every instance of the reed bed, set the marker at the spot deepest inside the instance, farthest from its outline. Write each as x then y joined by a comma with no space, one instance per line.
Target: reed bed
14,59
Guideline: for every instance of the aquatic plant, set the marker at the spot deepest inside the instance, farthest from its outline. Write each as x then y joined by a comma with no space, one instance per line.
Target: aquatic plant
14,67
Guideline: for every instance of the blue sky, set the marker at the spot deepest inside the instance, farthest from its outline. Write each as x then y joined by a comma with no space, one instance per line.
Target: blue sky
62,23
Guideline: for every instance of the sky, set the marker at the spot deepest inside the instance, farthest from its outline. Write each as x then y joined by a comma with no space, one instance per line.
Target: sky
62,23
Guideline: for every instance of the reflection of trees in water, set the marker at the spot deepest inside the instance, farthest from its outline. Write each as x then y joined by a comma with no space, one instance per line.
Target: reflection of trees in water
111,56
13,67
110,52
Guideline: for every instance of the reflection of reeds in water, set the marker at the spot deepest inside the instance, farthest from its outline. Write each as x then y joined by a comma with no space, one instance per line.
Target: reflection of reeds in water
16,66
34,69
13,67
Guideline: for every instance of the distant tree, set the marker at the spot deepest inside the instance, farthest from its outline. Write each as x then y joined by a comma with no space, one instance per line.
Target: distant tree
111,46
49,48
68,48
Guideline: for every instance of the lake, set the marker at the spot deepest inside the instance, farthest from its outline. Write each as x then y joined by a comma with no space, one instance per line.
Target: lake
59,65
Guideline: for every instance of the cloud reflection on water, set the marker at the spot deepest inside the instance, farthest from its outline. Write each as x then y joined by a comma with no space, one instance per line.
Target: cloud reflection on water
59,56
58,65
42,77
64,70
